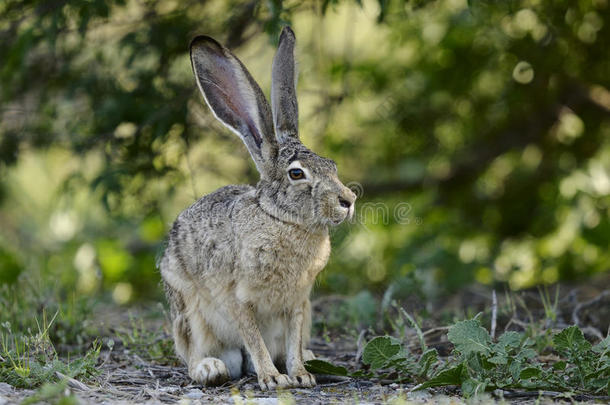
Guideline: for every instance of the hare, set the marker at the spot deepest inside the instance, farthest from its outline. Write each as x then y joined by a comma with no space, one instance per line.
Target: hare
240,262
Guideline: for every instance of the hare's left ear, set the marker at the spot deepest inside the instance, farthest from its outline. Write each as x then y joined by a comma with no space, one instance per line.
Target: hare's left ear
283,89
235,99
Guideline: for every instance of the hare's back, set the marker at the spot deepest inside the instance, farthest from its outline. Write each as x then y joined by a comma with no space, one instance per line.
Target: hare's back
216,205
202,235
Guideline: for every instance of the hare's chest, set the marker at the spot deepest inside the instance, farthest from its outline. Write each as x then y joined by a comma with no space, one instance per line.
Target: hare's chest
281,272
309,260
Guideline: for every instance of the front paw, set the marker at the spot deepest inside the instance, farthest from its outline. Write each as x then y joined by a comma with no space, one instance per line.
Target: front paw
274,381
304,379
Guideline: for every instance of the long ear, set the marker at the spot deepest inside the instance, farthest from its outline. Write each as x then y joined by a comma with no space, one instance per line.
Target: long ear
235,99
283,89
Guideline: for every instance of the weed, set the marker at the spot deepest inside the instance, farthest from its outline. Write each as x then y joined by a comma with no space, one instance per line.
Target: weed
150,344
54,393
550,307
29,360
22,304
585,367
479,364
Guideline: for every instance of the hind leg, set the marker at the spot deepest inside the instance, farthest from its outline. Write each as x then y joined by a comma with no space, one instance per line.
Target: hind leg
233,360
208,361
308,355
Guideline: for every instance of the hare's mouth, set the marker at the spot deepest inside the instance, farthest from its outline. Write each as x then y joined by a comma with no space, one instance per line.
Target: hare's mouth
345,215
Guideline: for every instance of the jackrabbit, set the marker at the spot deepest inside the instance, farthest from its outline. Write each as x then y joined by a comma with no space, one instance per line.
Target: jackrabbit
240,262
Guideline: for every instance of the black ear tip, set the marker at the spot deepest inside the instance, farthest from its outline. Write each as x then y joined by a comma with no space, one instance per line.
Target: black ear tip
287,31
203,41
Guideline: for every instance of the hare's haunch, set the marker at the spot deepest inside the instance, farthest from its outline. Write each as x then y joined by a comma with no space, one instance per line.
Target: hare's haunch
241,261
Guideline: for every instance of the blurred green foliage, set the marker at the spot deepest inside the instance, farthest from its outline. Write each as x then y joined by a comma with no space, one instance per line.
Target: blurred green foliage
475,132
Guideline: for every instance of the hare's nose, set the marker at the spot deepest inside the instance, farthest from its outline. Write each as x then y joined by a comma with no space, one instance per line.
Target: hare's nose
344,203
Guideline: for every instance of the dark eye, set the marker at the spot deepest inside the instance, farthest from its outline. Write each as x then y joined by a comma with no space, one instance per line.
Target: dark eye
296,174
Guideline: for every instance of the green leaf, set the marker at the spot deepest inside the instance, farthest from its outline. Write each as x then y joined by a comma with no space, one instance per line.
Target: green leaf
427,359
526,354
599,372
481,364
571,341
498,359
515,370
379,351
324,367
529,372
509,340
603,346
472,387
470,338
453,376
560,365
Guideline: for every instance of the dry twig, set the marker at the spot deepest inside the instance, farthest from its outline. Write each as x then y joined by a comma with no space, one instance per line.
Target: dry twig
587,304
72,383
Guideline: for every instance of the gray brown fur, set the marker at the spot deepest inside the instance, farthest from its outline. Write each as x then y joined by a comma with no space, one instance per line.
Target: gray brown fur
240,262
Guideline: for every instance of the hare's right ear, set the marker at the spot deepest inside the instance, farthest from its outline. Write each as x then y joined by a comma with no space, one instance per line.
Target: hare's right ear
283,89
235,99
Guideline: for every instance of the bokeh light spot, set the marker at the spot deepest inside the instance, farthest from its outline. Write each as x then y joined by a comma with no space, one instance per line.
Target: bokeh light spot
523,72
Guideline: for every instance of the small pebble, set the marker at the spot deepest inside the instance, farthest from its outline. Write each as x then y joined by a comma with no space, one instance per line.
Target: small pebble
194,394
266,401
419,395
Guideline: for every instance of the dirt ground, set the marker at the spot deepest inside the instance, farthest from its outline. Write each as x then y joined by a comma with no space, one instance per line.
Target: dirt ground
126,378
